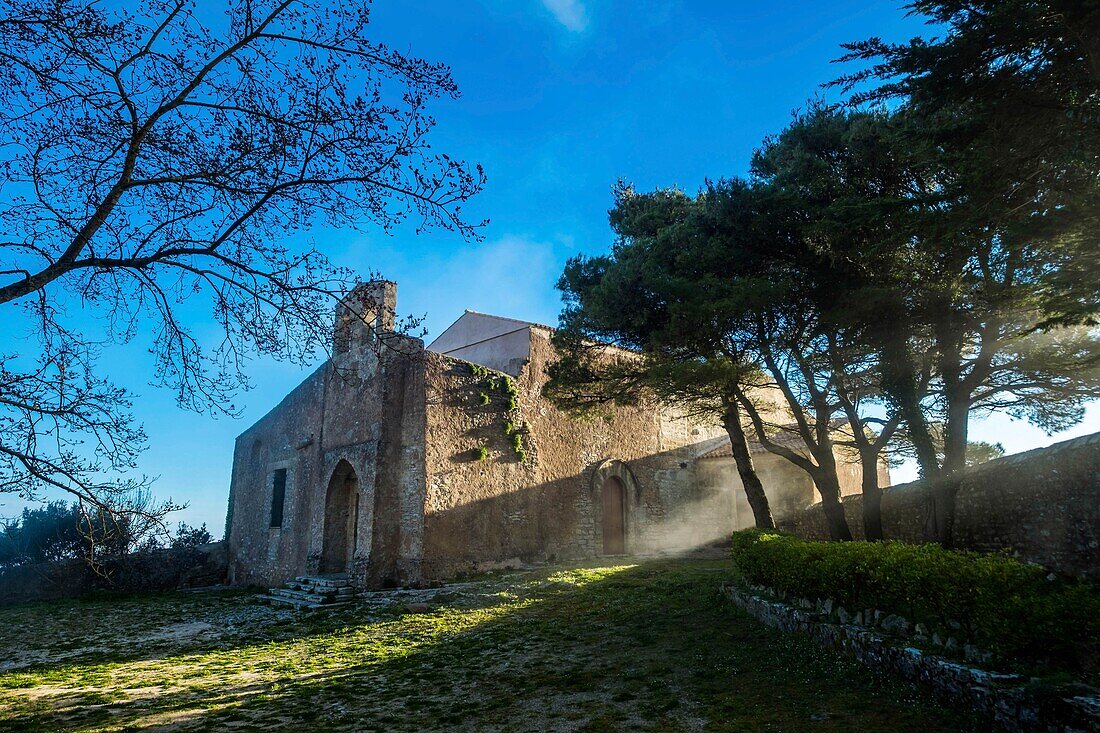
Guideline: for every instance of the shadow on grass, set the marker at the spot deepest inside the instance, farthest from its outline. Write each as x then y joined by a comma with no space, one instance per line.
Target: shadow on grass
648,647
59,635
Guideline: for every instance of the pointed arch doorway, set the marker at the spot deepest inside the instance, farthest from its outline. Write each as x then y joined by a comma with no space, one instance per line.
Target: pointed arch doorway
341,519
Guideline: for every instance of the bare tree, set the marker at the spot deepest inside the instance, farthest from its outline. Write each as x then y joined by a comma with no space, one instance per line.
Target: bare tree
155,155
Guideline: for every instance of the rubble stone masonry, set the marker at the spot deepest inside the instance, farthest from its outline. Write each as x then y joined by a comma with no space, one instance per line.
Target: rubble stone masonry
1043,505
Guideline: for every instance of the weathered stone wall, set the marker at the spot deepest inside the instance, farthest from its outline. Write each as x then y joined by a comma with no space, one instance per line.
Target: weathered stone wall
503,509
286,438
188,567
1044,505
399,502
383,478
363,409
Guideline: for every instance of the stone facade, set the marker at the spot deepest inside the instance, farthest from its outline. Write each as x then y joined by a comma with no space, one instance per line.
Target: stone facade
549,505
401,464
1043,505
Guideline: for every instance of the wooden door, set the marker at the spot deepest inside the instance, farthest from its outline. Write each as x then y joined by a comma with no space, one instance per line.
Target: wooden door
614,517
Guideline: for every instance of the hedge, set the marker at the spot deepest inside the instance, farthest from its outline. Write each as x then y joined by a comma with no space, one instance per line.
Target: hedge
1016,611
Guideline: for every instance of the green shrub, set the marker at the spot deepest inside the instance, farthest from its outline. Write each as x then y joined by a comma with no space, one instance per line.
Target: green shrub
483,398
509,427
478,371
511,392
481,453
1004,606
517,442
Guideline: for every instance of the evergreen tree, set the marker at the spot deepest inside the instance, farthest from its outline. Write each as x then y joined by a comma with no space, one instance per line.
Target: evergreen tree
634,299
1000,111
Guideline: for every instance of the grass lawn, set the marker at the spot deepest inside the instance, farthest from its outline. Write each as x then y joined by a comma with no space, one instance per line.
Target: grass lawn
650,646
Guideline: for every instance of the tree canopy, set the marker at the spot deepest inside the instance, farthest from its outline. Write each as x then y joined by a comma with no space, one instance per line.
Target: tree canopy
156,156
848,272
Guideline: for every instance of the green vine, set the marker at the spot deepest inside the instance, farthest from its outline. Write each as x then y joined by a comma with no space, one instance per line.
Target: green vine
503,385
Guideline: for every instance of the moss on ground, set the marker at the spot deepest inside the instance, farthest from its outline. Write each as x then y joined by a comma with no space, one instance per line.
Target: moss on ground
651,646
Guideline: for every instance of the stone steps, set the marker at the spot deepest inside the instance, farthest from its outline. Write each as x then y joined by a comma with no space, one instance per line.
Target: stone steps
312,592
346,590
333,581
298,595
300,605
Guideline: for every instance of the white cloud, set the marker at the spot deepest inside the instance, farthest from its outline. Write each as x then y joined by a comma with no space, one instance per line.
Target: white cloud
570,13
509,276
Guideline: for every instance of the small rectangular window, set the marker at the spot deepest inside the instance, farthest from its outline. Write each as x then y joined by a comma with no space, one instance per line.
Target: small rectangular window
278,496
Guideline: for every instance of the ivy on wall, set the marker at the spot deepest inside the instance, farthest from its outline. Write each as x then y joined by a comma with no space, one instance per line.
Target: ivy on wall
501,389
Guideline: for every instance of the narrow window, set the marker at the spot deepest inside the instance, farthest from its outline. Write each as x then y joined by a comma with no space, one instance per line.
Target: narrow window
278,495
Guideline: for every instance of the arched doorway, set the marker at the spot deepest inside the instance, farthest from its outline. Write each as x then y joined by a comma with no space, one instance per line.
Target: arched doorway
341,514
613,518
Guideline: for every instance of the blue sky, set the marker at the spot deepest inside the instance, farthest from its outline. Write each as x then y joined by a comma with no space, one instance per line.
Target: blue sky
559,99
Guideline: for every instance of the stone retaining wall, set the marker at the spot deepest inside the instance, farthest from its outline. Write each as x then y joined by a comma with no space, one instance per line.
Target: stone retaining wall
1043,505
1005,698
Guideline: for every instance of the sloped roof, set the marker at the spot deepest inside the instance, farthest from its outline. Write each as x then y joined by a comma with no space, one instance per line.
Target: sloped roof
724,450
513,320
786,436
445,342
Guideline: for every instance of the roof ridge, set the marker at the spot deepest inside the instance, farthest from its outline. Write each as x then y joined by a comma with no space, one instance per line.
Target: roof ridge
509,318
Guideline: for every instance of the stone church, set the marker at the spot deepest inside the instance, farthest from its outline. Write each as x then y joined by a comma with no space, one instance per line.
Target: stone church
400,464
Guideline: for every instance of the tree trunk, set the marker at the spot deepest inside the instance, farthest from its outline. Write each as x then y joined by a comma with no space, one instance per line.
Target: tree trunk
942,491
900,383
939,523
872,496
921,437
829,488
739,447
824,473
955,433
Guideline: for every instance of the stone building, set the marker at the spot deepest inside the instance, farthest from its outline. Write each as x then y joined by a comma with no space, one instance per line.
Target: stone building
398,463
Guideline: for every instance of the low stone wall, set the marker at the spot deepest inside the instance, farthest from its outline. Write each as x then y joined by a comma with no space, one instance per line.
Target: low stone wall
190,567
1007,699
1043,505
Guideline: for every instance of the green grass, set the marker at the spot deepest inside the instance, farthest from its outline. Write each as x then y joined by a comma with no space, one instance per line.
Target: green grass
646,647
